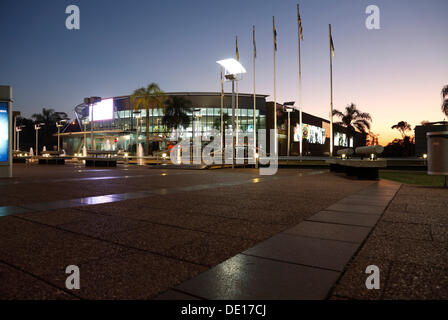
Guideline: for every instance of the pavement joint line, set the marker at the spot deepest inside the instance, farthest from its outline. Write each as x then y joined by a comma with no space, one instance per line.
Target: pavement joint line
340,273
311,237
163,191
181,291
290,262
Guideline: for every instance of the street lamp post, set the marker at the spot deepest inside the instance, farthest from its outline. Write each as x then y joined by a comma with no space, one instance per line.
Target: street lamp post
137,117
289,110
18,130
37,127
85,122
59,124
232,68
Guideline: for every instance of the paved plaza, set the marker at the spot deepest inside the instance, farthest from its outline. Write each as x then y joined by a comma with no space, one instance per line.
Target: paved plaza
142,233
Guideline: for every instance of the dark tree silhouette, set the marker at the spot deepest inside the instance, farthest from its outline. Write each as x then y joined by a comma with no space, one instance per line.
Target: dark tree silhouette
176,114
48,117
147,98
402,127
353,119
445,100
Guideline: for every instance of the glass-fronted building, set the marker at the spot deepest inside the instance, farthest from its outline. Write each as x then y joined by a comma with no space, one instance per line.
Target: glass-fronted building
116,122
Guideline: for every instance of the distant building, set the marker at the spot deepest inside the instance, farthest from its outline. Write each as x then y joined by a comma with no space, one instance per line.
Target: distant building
114,125
420,135
316,133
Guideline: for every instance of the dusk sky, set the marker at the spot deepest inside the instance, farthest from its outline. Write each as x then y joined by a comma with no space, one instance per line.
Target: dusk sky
395,73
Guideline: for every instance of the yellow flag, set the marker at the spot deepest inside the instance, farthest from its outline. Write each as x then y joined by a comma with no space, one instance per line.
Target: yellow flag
237,52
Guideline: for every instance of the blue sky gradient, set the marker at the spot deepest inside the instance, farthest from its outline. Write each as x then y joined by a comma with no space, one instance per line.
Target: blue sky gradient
395,73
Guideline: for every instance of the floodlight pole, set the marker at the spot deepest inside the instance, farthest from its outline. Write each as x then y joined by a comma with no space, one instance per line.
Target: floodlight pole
18,139
288,110
37,128
233,123
85,132
92,143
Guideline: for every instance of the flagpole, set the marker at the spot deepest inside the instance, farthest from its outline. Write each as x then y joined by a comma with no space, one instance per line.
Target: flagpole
255,104
237,112
300,85
275,90
222,115
331,92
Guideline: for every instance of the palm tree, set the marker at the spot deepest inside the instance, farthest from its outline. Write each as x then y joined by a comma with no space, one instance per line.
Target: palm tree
150,97
176,114
403,127
445,100
226,120
353,119
49,117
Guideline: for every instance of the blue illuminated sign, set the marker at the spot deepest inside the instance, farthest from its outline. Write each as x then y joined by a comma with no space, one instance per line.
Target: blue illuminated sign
4,132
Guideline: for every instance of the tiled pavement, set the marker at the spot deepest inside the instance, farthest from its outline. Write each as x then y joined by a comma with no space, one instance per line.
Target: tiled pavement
144,231
303,262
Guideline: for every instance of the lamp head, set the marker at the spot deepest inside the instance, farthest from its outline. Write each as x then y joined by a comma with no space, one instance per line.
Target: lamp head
231,67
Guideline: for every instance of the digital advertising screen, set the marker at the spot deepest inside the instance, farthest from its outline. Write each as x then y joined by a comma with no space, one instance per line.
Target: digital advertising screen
4,132
103,110
340,140
310,133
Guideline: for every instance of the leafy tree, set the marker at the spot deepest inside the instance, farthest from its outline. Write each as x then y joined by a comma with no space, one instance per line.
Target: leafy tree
353,119
402,127
146,98
176,113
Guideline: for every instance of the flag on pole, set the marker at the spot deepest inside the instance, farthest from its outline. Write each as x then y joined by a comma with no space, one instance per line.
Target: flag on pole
299,20
237,52
331,43
222,84
253,37
275,33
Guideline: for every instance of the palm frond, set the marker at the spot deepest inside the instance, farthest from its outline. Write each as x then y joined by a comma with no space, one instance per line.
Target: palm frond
445,91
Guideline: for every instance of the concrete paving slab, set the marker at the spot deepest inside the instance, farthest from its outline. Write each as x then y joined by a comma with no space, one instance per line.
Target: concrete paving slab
55,217
210,249
133,276
153,237
361,209
42,249
330,231
328,254
96,225
18,285
349,218
251,278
